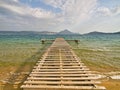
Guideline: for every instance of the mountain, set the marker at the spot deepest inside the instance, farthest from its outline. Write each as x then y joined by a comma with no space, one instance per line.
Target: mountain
117,33
26,32
101,33
47,32
94,33
65,32
17,32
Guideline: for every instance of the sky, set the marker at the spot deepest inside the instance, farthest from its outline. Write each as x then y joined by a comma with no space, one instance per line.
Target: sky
80,16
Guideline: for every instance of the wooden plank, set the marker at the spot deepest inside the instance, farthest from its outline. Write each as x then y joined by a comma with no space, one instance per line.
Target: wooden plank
66,78
63,66
57,61
70,72
63,82
42,82
56,67
54,55
64,87
62,75
64,59
59,64
49,70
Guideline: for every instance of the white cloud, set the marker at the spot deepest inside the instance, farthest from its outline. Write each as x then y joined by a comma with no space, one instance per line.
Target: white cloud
72,12
105,11
116,11
40,13
26,10
16,9
102,24
15,0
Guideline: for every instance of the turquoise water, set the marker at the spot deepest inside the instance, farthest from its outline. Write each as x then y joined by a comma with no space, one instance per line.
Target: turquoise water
105,42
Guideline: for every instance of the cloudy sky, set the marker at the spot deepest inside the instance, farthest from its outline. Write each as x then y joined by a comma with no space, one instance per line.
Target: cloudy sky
55,15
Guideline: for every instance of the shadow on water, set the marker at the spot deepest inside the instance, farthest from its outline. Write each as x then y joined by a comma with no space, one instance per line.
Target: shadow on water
20,75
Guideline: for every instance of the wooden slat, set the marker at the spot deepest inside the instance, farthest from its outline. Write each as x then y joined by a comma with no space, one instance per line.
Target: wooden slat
55,60
54,69
70,72
63,82
63,66
68,78
64,87
62,74
59,64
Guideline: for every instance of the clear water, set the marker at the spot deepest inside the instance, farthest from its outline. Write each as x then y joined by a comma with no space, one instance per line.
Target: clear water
95,42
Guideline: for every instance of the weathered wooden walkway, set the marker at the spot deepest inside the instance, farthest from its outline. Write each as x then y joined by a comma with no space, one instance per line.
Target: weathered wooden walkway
61,69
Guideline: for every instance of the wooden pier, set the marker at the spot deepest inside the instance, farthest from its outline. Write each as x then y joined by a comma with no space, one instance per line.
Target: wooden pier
60,69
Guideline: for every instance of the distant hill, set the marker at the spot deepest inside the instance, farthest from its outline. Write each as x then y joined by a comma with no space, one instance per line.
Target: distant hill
100,33
116,33
25,32
65,32
47,32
